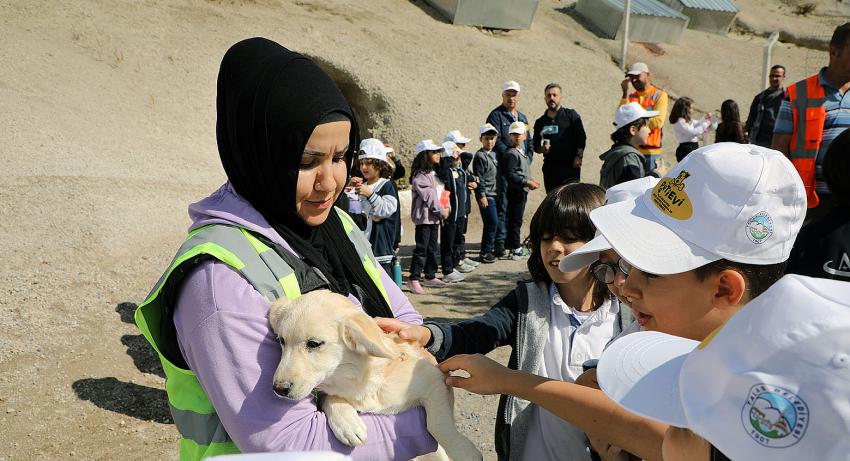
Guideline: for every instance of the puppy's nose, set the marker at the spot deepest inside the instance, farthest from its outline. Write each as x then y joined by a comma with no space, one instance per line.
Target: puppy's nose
282,389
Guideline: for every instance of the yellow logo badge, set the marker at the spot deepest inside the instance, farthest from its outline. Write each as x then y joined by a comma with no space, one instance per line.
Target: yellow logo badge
670,197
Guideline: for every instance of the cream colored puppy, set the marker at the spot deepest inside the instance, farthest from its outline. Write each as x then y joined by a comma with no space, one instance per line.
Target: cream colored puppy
332,346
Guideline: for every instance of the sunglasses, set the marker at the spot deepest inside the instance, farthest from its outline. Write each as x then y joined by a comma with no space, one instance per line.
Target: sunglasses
607,272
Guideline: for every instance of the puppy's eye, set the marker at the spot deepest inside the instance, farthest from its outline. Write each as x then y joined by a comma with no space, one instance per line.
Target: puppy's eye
314,344
281,341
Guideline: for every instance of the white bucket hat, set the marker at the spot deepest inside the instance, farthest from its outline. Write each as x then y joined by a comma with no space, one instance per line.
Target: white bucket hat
374,149
456,137
772,383
589,252
426,144
740,202
628,113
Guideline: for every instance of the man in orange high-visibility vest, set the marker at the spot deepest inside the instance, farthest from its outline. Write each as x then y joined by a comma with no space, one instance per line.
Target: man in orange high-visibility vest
813,113
651,98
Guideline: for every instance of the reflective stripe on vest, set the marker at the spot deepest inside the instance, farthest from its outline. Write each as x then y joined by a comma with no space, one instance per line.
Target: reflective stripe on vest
653,141
807,98
201,433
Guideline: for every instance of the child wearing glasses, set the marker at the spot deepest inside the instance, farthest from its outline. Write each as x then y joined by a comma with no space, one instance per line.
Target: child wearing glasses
554,323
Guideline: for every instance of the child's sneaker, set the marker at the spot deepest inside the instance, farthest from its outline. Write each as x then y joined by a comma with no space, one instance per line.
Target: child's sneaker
464,267
434,283
519,253
454,276
488,258
415,287
471,262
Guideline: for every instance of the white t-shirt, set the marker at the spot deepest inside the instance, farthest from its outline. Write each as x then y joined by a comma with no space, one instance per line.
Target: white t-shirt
550,437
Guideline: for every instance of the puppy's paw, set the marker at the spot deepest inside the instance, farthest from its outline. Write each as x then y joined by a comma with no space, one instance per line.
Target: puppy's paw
345,423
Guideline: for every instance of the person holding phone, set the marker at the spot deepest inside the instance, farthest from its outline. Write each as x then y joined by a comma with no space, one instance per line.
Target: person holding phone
559,135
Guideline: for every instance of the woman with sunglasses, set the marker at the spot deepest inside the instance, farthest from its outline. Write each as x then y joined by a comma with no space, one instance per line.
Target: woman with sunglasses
554,323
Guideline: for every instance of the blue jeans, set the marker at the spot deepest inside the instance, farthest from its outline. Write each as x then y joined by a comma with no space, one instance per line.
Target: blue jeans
501,207
516,199
490,217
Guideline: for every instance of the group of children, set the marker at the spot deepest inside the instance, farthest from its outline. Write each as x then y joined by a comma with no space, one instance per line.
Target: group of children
683,254
444,180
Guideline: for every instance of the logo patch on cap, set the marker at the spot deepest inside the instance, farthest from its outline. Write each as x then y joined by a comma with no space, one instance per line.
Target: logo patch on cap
670,197
759,227
774,417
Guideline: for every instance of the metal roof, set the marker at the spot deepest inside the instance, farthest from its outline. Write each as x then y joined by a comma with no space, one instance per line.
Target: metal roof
713,5
649,8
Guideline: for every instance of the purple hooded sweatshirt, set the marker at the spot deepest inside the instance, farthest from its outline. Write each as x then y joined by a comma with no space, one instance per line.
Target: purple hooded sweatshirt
225,336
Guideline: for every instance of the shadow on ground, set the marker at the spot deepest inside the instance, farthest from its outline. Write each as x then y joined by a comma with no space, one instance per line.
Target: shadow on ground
127,398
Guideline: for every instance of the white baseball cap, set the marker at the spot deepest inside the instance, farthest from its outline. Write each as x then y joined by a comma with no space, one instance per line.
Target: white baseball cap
628,113
518,128
375,149
740,202
426,144
449,149
637,69
510,85
486,128
589,252
456,137
772,383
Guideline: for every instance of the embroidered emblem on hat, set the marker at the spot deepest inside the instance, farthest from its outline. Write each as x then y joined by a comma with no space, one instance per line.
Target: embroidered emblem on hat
759,227
774,417
670,197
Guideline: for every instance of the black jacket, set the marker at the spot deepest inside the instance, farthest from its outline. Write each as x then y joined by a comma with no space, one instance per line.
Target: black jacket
822,248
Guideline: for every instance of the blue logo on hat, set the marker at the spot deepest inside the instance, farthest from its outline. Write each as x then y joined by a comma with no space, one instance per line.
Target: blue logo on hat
774,417
759,227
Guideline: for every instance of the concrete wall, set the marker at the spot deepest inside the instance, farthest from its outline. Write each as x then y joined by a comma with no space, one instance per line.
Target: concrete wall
717,22
607,20
497,14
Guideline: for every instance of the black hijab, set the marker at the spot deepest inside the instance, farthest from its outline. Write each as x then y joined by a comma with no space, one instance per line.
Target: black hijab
269,101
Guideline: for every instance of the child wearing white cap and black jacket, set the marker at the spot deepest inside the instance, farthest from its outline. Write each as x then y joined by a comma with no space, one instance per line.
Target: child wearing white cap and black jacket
516,168
712,235
458,183
624,162
485,168
379,202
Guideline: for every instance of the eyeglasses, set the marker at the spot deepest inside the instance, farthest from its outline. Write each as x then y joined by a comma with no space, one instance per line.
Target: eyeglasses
607,272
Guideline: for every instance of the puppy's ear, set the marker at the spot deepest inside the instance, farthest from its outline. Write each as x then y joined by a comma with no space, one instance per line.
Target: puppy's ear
277,310
362,335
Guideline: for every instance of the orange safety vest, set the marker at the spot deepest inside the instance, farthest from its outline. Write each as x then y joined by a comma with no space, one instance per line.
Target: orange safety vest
648,101
807,99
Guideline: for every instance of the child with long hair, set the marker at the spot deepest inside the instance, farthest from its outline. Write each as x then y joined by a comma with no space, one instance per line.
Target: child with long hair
730,128
426,212
687,130
554,322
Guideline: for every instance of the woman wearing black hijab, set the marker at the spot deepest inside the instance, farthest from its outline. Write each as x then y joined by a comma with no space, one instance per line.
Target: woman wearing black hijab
287,139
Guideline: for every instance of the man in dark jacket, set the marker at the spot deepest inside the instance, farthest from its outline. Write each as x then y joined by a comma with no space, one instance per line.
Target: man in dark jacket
765,108
501,117
823,247
559,135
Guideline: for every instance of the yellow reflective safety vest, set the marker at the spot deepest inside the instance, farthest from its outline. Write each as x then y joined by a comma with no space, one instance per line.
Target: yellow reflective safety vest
201,433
